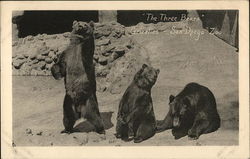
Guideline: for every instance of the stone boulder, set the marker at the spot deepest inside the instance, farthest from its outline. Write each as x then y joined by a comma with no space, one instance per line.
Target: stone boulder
35,55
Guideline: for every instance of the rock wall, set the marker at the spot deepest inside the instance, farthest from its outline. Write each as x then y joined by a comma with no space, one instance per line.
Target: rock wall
116,56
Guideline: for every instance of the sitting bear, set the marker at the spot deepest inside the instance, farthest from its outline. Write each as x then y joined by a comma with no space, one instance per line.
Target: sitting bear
192,112
75,64
136,112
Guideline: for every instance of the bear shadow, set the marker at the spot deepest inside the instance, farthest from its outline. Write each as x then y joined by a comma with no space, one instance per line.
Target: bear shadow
86,126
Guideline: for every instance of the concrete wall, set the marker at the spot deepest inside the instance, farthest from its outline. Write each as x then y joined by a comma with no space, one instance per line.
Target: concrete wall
107,16
230,28
16,15
224,21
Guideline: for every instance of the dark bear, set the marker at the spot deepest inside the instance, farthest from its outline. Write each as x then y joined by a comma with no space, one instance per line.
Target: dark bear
136,111
75,64
192,112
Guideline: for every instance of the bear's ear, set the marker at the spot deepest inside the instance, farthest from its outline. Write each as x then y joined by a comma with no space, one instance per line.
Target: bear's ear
74,22
92,24
171,98
144,65
158,71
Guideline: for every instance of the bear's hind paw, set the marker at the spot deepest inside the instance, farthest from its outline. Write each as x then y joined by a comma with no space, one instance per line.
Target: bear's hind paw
138,140
193,137
66,131
118,136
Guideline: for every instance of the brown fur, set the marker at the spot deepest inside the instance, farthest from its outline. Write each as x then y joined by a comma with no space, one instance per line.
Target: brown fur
136,107
192,112
75,64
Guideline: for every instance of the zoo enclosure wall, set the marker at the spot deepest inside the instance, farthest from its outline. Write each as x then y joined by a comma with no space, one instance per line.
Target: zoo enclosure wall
53,22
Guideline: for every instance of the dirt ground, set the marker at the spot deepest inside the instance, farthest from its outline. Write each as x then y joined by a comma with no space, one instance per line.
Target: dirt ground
37,101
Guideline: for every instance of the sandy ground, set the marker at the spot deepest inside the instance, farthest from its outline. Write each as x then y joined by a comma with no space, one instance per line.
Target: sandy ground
37,101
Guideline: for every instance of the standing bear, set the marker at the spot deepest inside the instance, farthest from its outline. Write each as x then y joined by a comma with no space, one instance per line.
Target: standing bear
75,64
192,112
136,111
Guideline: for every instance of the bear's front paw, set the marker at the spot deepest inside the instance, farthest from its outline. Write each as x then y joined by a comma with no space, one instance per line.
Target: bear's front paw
126,139
192,135
55,71
192,138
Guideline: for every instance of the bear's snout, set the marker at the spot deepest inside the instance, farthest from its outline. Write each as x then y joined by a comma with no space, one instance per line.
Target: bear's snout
83,27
